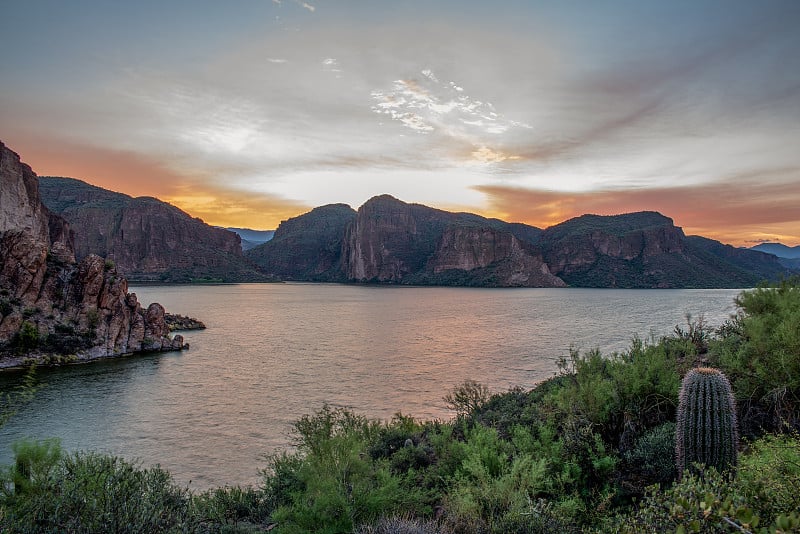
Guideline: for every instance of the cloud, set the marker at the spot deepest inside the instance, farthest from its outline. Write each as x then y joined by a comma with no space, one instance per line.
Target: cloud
305,5
427,105
732,210
529,98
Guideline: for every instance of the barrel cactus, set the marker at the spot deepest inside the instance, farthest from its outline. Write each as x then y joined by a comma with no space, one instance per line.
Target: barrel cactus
706,424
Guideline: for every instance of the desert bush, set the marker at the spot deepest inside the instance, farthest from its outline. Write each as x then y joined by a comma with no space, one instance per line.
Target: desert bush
231,509
403,525
653,455
769,476
622,393
28,338
90,492
706,503
759,350
332,484
467,397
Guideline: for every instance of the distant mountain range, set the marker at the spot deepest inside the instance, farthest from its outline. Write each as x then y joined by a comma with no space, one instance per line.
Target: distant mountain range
147,239
252,238
789,257
778,249
388,241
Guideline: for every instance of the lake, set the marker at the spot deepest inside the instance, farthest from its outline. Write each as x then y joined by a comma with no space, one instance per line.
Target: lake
274,352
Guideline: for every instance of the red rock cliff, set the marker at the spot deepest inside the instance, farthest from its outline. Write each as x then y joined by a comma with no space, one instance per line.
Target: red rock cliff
47,301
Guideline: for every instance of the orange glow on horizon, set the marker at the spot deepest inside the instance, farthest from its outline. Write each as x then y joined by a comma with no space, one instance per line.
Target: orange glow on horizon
742,214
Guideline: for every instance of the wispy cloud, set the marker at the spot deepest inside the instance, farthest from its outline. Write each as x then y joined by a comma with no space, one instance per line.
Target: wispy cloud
305,5
287,100
427,105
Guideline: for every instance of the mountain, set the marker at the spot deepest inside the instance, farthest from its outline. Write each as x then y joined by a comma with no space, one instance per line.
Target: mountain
779,249
49,304
390,241
646,249
307,247
789,257
394,242
147,239
252,238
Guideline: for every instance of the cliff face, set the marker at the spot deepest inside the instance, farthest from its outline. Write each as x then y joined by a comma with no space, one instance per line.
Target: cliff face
48,303
512,262
146,238
645,250
391,241
307,247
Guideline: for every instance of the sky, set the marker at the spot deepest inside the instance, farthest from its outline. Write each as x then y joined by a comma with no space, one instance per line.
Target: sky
246,113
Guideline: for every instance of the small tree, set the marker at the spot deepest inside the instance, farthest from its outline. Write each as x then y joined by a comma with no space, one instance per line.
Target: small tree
467,397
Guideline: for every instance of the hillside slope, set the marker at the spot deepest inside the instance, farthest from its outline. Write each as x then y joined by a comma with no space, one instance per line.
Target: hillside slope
147,239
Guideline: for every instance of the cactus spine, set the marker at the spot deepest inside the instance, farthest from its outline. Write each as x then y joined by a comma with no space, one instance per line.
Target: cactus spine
706,424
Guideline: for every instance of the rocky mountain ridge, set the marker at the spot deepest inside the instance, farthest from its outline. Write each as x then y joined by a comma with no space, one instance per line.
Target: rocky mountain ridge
390,241
147,239
49,304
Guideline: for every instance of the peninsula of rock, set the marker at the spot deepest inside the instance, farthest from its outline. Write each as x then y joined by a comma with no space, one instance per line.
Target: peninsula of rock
52,308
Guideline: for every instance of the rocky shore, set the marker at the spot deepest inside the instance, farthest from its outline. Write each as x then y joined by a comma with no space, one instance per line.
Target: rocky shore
53,309
181,322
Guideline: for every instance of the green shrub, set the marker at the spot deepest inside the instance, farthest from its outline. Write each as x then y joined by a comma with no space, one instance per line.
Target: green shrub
622,391
89,492
769,476
28,337
653,456
467,397
759,350
34,462
231,509
695,504
332,484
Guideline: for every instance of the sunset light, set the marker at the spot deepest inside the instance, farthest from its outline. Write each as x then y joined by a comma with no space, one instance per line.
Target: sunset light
534,112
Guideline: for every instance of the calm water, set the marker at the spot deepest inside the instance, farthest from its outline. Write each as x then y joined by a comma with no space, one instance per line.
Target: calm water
274,352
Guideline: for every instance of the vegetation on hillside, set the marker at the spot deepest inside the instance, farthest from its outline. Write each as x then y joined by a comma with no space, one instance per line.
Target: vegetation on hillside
590,450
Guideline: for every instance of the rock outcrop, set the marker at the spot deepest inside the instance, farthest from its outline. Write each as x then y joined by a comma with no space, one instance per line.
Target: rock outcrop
49,304
181,322
147,239
394,242
646,250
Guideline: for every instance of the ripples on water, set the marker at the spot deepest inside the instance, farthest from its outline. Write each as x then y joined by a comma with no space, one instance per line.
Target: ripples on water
274,352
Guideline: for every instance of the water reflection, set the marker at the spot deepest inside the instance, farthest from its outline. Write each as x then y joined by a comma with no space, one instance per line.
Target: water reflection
274,352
